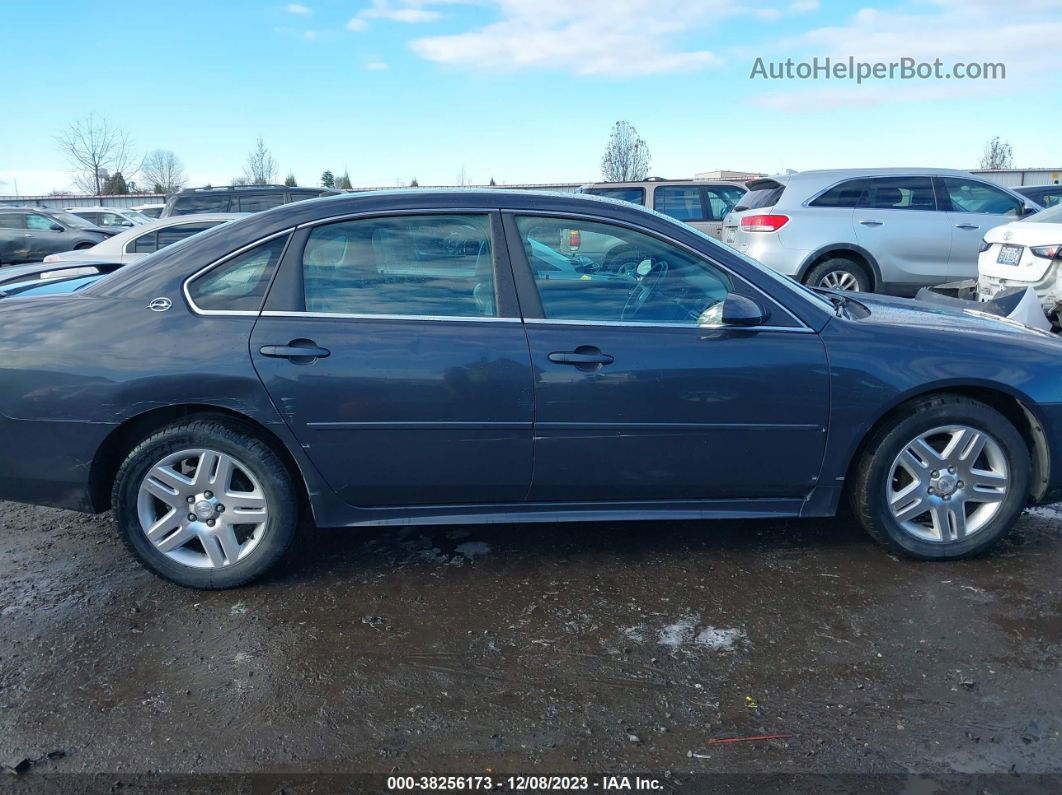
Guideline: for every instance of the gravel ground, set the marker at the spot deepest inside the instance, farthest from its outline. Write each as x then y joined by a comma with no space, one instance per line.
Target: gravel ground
532,649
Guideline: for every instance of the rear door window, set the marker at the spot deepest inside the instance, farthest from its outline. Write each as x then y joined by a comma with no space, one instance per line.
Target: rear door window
172,234
256,202
899,193
429,265
12,220
681,202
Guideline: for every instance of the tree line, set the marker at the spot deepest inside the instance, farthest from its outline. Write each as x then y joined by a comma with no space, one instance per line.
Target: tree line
105,162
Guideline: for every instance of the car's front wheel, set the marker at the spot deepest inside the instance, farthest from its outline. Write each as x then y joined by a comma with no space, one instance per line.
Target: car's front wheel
945,477
206,505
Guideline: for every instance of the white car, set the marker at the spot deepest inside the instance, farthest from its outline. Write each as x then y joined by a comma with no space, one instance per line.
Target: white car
150,210
144,239
110,217
1026,253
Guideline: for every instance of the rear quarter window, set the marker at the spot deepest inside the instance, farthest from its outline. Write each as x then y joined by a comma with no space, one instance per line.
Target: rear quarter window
632,195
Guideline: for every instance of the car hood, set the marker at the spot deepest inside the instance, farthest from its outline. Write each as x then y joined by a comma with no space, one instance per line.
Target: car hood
963,322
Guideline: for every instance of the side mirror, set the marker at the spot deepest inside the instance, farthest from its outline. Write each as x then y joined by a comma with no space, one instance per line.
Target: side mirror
1028,210
57,228
741,311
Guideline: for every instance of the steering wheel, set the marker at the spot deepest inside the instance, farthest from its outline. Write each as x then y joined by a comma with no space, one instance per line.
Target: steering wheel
644,288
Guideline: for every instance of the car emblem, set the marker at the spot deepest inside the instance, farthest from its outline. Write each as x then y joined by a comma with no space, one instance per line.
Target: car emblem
160,304
1008,235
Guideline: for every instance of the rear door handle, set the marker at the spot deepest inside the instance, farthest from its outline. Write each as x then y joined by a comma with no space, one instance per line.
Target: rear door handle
583,355
967,226
871,222
299,351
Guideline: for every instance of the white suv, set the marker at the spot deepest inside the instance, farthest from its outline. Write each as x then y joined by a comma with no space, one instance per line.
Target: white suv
873,230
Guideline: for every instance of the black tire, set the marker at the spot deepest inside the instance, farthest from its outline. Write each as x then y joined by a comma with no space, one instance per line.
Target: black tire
868,492
253,454
843,268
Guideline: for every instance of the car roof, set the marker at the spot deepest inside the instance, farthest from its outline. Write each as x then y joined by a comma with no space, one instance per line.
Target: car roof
645,183
97,208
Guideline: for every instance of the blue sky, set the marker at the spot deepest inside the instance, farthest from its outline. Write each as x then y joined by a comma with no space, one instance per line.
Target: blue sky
521,90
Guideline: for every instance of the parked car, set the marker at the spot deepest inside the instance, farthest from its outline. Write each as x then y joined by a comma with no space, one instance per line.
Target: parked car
144,239
118,218
1026,253
883,230
1044,195
41,279
28,233
237,198
702,205
399,357
150,210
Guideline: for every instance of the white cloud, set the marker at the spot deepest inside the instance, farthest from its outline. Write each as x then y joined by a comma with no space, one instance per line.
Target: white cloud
310,35
411,12
297,8
357,24
594,37
377,66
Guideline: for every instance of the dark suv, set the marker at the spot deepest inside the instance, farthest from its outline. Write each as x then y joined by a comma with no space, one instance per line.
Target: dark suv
28,234
237,199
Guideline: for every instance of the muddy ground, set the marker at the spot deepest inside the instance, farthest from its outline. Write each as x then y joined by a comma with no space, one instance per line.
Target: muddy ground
537,648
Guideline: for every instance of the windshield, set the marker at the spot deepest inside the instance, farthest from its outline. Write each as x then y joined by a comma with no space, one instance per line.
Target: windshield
137,216
71,220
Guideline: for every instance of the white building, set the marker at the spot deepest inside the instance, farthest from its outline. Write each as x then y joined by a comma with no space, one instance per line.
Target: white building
1013,177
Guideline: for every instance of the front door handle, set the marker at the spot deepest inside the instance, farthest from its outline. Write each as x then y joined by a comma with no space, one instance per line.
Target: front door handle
584,357
871,222
300,351
967,226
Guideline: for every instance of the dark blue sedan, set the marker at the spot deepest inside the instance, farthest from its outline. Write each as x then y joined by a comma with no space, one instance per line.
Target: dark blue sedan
484,356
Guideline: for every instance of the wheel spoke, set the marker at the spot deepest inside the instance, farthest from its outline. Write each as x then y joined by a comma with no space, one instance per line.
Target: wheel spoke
204,470
910,509
168,477
980,479
164,526
923,449
957,520
939,514
167,494
221,480
230,545
215,553
177,540
913,464
972,448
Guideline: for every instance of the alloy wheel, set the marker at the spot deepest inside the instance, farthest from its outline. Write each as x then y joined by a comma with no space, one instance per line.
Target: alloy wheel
839,280
948,483
202,508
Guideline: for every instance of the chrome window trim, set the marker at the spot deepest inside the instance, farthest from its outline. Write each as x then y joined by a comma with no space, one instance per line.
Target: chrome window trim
628,324
218,262
659,236
367,316
332,219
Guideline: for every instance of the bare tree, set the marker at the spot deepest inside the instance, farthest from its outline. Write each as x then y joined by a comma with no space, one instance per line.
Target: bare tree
96,148
462,176
343,181
626,157
162,170
998,154
261,168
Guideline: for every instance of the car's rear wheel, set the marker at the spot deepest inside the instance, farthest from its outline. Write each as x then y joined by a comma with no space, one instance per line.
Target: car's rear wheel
946,477
205,504
839,273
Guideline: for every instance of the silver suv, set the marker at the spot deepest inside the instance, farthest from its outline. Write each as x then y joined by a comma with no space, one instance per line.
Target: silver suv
888,230
699,203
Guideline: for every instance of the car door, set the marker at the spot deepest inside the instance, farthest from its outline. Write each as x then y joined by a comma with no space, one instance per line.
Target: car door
974,208
393,347
719,200
898,223
14,242
640,394
46,236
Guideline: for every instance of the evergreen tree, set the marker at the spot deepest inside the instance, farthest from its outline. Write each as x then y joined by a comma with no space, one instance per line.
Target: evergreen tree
289,181
328,179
